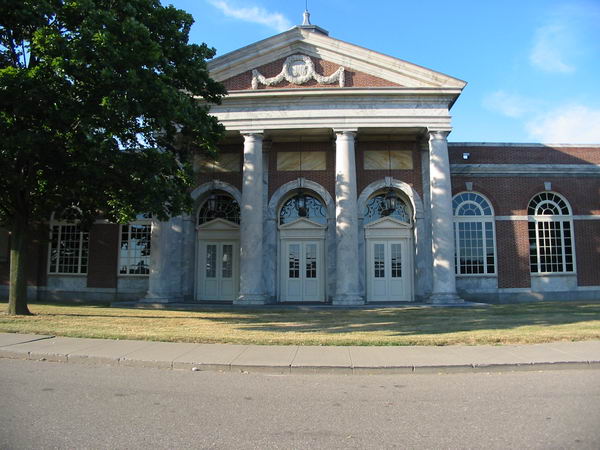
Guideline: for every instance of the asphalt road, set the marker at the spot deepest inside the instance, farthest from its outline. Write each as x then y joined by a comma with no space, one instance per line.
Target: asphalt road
54,405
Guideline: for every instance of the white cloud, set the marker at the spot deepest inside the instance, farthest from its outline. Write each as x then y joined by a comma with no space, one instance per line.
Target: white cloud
577,124
551,45
254,14
507,104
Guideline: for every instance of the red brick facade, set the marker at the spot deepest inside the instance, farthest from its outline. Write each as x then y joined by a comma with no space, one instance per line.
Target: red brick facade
509,196
523,154
104,256
512,243
587,238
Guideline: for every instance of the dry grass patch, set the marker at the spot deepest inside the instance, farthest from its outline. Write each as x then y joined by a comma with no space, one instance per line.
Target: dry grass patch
497,324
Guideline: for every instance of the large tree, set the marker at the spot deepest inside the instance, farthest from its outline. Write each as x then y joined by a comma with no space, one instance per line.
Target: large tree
102,103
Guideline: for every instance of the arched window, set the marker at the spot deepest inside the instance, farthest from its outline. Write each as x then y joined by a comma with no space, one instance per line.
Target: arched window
69,244
473,235
550,234
219,206
314,208
378,208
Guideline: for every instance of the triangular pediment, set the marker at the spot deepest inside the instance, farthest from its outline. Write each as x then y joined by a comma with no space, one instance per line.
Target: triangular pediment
302,224
369,68
387,223
219,225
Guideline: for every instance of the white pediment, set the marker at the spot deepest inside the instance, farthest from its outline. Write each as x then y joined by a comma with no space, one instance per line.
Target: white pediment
298,41
302,224
388,223
219,225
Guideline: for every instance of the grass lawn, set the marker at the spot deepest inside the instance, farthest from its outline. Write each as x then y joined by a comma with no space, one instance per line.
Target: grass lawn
497,324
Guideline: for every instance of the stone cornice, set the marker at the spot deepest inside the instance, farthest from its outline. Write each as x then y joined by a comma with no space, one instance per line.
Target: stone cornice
520,144
448,94
526,170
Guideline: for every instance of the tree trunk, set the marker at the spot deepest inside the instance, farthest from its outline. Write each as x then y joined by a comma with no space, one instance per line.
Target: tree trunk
17,297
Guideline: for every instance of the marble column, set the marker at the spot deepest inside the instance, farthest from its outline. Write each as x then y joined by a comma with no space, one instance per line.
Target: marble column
252,290
442,230
165,284
347,289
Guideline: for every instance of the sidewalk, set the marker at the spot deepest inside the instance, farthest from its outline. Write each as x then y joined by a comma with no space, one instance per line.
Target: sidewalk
302,359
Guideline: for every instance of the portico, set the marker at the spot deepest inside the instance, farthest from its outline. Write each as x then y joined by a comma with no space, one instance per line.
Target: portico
303,108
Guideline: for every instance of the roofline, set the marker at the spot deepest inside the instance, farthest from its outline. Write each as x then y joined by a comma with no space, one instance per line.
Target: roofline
519,144
309,92
298,34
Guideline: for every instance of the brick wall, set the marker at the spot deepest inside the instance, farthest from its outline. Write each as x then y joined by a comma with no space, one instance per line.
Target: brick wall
587,248
103,256
352,78
524,155
512,243
511,195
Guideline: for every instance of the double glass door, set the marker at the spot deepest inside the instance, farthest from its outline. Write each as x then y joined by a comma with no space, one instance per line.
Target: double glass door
302,271
218,270
389,270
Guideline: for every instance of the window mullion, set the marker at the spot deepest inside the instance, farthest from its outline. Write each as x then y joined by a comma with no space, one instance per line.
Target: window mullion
562,246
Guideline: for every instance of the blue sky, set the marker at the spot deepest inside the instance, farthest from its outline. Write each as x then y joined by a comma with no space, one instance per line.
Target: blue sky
533,66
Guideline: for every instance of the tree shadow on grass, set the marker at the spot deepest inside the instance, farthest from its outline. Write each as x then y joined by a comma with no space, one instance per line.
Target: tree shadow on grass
414,321
402,321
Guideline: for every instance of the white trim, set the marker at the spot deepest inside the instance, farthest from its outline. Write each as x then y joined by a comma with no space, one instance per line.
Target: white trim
586,217
528,170
280,196
413,196
475,219
398,93
205,188
527,218
561,219
512,218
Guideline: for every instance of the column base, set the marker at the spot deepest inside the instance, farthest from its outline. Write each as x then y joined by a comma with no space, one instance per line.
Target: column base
161,298
251,299
445,298
347,300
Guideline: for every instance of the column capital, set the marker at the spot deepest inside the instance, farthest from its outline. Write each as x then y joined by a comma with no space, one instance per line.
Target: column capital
251,133
438,135
346,132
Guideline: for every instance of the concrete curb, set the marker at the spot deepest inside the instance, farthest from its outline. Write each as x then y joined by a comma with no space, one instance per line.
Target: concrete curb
282,360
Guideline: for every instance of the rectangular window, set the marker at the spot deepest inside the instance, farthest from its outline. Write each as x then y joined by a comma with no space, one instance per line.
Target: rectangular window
474,248
294,261
379,260
311,261
68,250
211,261
134,254
396,251
550,247
227,266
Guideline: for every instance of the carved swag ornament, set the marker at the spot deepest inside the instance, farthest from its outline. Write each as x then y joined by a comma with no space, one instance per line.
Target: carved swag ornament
297,69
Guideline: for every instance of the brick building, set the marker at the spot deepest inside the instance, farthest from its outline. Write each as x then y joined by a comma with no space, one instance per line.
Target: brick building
336,184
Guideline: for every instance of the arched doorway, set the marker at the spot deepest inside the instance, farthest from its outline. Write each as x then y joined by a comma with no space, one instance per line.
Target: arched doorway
389,250
218,248
302,227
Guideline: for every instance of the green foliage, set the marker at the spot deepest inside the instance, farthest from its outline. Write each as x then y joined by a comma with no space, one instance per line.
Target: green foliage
102,104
